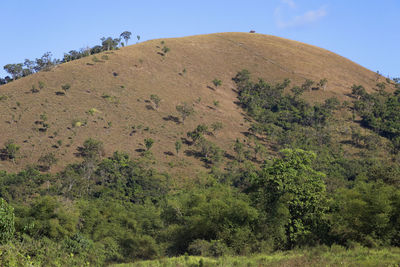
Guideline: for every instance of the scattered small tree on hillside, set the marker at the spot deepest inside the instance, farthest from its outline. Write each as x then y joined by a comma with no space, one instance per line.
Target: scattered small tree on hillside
148,143
297,91
307,85
381,86
185,110
322,83
165,50
41,85
358,91
10,150
198,133
92,149
47,161
209,151
126,35
216,126
259,149
238,147
242,77
217,82
66,87
156,100
178,146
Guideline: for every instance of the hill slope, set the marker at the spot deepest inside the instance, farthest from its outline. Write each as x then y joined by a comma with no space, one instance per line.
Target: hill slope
109,95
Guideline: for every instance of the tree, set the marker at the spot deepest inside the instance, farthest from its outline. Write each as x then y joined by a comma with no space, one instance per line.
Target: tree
185,110
165,50
197,134
358,91
45,62
178,146
92,150
297,91
109,43
217,82
292,194
47,161
6,221
363,214
66,87
30,67
156,100
242,77
306,86
216,126
210,152
238,147
10,150
322,83
148,142
259,149
14,69
126,35
381,86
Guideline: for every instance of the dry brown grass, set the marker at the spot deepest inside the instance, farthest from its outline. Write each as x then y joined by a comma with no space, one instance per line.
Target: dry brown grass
141,71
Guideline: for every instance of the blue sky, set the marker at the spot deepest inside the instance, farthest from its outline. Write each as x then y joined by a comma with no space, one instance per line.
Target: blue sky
367,32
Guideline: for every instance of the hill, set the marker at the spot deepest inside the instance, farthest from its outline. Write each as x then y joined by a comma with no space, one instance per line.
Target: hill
279,170
109,94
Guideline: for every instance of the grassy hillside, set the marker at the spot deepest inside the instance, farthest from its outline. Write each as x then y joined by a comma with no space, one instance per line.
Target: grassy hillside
109,95
300,174
335,256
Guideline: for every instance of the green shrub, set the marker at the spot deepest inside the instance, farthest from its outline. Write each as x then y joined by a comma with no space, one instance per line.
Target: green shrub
47,161
41,85
10,150
217,82
92,149
65,87
148,142
6,222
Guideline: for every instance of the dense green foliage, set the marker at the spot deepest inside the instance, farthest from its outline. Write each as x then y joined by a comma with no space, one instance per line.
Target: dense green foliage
6,221
118,209
380,111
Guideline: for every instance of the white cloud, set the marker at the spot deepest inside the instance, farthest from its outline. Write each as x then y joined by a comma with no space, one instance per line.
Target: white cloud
309,17
290,3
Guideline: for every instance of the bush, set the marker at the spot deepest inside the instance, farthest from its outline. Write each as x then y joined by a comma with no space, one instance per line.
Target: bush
217,82
185,110
199,247
66,87
92,149
6,221
148,142
156,100
10,150
47,161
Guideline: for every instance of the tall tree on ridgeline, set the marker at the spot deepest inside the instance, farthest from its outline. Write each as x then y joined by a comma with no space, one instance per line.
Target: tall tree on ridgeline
126,35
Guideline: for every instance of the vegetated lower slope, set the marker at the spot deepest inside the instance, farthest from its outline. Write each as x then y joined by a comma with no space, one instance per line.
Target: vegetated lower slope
334,256
109,95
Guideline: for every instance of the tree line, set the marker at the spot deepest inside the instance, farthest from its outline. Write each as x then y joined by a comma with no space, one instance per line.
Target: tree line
46,61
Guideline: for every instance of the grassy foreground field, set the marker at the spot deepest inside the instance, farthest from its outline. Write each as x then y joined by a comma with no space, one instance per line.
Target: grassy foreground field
320,256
